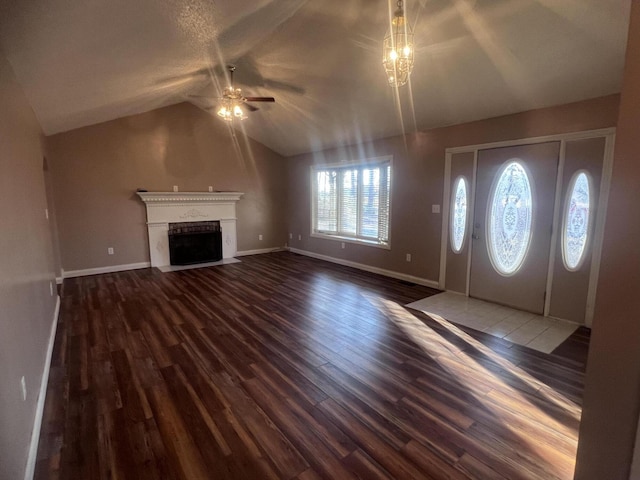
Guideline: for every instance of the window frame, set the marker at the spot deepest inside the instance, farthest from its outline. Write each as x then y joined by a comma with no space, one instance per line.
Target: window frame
345,165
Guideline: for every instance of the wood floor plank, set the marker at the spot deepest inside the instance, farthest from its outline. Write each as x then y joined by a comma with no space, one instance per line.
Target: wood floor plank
289,384
283,367
474,468
431,463
206,435
365,467
181,447
311,446
384,453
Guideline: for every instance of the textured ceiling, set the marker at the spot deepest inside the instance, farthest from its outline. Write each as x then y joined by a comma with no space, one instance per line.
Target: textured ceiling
82,62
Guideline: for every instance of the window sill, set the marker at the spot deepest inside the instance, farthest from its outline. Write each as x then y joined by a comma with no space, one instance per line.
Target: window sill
358,241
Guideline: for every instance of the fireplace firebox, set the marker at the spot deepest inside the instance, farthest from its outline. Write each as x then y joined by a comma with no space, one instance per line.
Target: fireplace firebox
195,242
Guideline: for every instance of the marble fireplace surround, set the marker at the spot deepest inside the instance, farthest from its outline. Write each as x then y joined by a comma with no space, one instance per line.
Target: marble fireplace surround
164,208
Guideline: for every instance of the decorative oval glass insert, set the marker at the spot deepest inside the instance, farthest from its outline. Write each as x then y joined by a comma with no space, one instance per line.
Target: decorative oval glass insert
575,231
510,218
458,214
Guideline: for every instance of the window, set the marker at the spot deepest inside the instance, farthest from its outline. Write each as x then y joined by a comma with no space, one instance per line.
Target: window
352,202
510,212
575,231
458,214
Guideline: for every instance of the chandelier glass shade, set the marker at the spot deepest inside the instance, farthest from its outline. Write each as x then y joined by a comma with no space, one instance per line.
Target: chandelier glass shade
398,49
231,105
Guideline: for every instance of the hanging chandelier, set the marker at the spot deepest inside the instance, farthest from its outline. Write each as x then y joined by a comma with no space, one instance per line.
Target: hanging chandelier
398,49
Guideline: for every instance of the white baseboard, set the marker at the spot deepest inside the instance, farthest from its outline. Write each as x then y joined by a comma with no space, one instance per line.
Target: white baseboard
369,268
110,269
42,395
258,251
135,266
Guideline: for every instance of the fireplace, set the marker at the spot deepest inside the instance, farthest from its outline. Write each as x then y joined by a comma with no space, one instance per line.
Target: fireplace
178,210
195,242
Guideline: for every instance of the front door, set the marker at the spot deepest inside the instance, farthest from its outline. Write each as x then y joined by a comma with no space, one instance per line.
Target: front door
514,205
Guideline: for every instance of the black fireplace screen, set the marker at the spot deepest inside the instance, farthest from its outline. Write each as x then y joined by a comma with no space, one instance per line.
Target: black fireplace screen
195,242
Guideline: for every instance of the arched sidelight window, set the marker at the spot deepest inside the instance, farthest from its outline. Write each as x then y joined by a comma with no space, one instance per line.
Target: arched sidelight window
577,220
458,221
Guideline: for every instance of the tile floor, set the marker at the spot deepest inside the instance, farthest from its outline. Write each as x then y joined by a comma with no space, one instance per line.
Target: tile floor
535,331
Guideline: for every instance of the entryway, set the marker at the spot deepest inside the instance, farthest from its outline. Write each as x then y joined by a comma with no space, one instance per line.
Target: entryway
522,222
543,334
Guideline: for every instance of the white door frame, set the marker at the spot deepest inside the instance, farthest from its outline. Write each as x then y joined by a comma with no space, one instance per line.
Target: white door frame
598,233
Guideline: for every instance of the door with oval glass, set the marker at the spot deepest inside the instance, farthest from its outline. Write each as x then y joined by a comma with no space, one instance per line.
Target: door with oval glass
512,226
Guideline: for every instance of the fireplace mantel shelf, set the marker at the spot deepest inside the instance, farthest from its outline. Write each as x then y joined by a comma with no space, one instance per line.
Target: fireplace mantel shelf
189,197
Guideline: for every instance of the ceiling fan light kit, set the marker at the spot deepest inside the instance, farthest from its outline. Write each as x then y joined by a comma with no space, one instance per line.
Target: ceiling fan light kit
233,103
229,112
398,49
230,108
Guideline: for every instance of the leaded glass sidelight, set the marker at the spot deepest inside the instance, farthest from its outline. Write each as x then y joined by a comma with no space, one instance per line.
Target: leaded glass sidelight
458,214
510,219
575,230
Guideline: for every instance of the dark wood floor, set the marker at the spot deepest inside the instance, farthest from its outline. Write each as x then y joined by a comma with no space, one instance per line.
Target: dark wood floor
284,366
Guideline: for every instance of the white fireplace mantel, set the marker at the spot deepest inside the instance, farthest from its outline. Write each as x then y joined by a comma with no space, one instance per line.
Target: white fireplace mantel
164,208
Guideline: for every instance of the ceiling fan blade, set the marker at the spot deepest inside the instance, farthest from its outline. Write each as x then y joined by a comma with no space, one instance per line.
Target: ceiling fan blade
251,108
260,99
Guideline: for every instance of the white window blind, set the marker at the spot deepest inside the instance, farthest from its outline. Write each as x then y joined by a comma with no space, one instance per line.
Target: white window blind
352,201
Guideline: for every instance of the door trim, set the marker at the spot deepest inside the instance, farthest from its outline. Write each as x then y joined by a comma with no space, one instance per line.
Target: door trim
598,234
601,132
598,231
557,208
472,213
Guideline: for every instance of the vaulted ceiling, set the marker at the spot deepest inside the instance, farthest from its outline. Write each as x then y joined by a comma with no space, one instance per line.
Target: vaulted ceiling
82,62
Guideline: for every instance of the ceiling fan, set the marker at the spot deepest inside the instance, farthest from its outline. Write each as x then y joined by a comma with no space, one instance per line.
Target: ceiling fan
232,102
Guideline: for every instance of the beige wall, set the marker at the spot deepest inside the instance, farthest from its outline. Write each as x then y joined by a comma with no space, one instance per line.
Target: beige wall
26,269
418,178
612,386
97,169
48,185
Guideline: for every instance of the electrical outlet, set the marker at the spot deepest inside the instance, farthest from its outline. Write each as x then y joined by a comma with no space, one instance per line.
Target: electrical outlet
291,236
51,288
46,213
210,188
341,244
408,257
435,208
299,237
23,389
175,188
110,250
259,237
